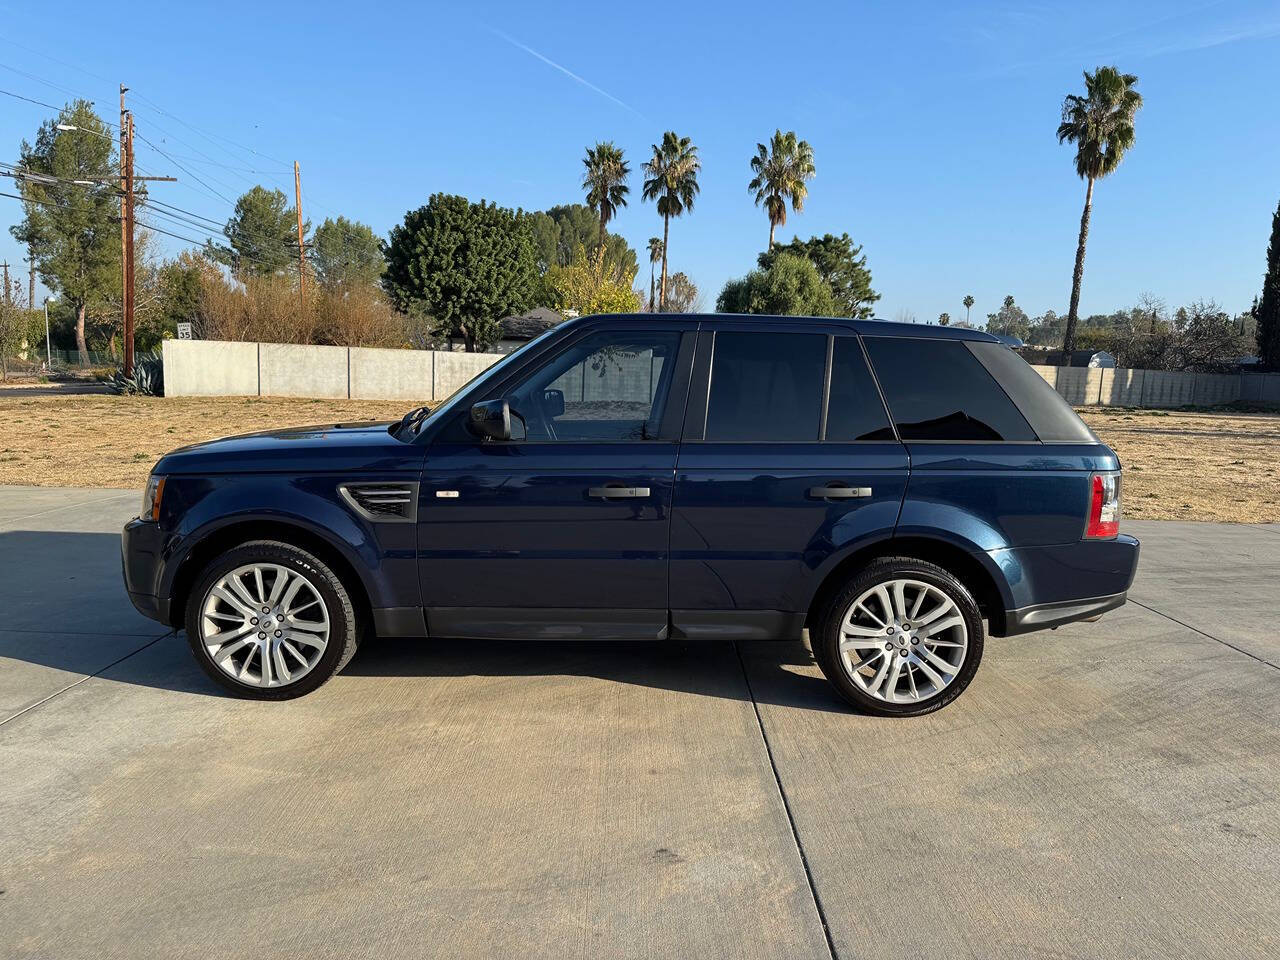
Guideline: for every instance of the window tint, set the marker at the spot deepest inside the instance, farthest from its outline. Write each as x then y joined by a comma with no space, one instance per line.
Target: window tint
854,408
1049,415
766,386
609,386
937,390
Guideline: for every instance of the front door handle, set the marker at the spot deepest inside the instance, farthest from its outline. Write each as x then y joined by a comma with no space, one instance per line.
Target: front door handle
618,493
839,493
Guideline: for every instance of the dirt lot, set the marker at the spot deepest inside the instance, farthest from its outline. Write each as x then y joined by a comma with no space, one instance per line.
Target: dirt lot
1195,466
1178,466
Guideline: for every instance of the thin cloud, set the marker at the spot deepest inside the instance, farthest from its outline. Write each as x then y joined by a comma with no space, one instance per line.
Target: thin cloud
1138,41
1218,39
566,71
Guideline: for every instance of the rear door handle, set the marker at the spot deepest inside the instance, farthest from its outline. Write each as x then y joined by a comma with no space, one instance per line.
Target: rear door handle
618,493
839,493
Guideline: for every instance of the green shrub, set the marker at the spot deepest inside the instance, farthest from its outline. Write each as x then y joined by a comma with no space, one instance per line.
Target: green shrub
147,379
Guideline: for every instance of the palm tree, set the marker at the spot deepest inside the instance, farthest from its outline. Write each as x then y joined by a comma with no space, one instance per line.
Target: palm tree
781,170
1100,124
671,178
968,302
655,254
605,181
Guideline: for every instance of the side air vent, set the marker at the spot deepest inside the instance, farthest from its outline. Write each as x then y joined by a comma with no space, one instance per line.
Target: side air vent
383,502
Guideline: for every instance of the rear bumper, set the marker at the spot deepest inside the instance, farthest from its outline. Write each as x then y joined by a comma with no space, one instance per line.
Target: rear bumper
1050,586
1046,615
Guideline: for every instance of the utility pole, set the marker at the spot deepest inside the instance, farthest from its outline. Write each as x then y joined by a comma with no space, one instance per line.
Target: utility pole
127,181
6,282
126,238
127,201
302,256
31,279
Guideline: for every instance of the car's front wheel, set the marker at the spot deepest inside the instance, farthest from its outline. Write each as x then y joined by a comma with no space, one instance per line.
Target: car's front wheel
902,638
270,621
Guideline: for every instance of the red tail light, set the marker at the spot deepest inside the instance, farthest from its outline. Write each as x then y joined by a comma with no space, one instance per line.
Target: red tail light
1104,506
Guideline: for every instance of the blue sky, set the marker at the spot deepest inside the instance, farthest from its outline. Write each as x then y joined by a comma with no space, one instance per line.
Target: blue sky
932,125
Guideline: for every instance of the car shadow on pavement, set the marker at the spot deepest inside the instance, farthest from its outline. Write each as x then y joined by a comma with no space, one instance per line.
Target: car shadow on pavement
714,668
66,609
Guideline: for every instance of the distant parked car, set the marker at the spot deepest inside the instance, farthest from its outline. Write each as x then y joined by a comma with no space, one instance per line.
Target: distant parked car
890,487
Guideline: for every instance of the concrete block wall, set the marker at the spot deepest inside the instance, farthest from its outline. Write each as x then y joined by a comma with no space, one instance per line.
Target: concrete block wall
1167,388
1213,388
392,374
452,370
1080,386
300,370
197,368
1120,387
209,368
1260,387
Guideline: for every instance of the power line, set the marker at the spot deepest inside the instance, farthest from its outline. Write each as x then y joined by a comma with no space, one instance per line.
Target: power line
47,83
210,225
202,181
184,169
47,203
226,166
41,103
190,213
210,137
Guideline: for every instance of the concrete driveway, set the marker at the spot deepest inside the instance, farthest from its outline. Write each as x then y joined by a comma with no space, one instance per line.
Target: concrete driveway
1107,790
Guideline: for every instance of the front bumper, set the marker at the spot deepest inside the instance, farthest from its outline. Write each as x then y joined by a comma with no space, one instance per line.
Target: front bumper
141,560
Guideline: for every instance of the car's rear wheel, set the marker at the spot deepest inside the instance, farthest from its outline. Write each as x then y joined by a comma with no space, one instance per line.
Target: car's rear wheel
902,638
270,621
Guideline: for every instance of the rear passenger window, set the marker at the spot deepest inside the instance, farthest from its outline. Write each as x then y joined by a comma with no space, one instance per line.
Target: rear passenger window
766,386
854,408
937,390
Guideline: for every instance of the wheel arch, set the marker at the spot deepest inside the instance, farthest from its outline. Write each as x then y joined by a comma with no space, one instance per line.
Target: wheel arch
228,536
972,567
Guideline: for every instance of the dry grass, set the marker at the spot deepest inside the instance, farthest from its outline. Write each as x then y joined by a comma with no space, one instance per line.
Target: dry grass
1195,466
106,441
1178,466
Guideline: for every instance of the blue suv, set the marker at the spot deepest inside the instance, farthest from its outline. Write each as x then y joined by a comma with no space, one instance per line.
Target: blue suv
897,490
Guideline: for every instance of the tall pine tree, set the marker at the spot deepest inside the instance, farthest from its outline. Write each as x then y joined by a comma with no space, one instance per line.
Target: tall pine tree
1268,311
67,182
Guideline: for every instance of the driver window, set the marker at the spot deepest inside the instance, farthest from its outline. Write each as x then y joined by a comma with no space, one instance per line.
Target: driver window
608,386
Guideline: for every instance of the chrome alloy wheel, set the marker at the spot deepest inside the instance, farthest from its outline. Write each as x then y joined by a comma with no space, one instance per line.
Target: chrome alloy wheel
903,641
264,625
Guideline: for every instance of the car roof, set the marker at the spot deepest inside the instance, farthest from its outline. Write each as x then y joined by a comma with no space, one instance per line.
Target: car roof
871,328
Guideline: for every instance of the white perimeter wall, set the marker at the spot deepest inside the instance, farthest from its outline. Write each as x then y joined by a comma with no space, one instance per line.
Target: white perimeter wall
214,368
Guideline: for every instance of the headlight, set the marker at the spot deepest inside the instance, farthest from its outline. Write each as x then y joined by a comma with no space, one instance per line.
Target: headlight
151,498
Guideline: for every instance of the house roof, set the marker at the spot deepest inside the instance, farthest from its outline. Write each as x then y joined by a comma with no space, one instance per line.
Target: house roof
526,326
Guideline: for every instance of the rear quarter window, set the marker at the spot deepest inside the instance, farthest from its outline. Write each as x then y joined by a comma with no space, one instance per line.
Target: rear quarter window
938,390
1049,415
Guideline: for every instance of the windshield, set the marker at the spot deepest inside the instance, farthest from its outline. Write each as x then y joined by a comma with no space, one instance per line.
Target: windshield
451,401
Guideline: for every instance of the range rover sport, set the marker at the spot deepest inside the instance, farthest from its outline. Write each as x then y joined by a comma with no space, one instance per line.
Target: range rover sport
901,491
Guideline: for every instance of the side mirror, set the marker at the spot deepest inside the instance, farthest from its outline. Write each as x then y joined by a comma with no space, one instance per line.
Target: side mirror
492,419
553,403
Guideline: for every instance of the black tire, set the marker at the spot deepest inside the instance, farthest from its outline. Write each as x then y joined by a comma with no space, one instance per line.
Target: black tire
826,639
344,629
